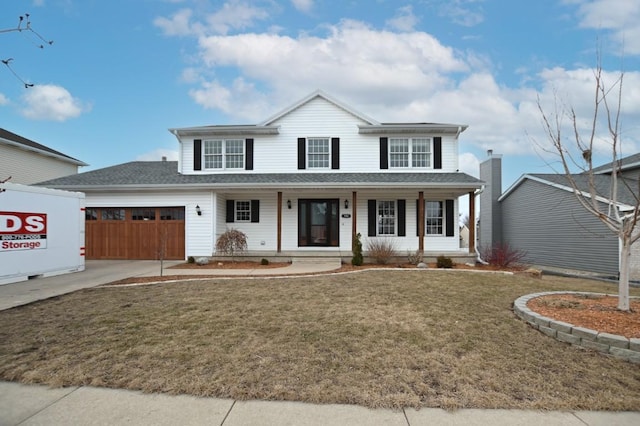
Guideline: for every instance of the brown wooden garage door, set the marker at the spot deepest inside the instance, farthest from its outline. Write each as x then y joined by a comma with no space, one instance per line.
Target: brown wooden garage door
134,233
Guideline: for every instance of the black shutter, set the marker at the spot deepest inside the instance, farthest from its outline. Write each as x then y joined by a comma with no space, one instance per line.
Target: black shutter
384,153
255,211
302,154
248,160
197,154
231,211
402,212
437,153
448,210
373,217
335,153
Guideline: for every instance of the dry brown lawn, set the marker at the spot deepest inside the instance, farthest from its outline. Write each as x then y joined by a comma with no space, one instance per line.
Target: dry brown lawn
377,338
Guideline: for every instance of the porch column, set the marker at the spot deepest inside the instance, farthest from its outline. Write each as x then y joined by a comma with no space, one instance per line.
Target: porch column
354,216
421,221
279,226
472,222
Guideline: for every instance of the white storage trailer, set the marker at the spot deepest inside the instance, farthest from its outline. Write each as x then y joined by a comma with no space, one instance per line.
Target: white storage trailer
41,232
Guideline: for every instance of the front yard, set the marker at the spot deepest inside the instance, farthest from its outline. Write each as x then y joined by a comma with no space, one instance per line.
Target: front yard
377,338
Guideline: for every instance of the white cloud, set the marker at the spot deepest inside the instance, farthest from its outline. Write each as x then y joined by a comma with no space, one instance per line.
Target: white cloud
619,16
404,20
352,58
393,76
178,25
303,5
3,99
157,154
233,15
467,13
469,164
51,102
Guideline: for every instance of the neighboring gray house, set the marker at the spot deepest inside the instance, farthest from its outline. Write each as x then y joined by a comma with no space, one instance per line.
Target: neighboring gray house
540,215
28,162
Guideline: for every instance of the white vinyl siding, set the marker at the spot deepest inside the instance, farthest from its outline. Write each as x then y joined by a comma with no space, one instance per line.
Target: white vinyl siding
27,167
358,152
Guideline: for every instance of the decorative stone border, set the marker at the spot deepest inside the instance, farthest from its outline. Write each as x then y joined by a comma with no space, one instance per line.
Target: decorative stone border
612,344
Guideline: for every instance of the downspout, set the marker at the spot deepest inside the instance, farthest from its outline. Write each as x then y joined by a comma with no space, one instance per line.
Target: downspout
478,258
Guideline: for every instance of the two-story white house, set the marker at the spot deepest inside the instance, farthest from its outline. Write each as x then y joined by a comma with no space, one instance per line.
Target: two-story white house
301,183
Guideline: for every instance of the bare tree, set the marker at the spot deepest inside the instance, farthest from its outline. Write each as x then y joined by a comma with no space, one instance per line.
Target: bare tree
577,150
38,42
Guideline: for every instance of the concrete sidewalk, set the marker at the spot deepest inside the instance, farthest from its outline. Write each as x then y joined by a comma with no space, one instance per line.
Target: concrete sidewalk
38,405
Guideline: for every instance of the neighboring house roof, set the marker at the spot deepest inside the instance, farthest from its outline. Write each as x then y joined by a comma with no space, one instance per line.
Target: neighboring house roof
163,174
602,183
627,163
9,138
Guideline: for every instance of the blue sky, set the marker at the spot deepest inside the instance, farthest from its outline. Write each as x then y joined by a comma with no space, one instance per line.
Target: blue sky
121,72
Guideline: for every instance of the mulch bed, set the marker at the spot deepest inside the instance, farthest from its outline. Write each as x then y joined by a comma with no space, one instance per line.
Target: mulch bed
593,312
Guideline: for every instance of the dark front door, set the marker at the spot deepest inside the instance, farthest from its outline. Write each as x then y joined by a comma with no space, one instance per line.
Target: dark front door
318,223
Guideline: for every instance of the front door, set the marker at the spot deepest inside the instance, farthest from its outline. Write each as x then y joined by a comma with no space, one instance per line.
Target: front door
318,223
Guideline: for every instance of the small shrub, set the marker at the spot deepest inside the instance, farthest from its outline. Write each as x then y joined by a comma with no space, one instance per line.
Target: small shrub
381,250
191,259
232,242
414,258
264,262
503,255
444,262
357,259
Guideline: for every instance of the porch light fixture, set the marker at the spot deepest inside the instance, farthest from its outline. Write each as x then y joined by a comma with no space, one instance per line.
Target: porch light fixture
289,204
198,211
346,204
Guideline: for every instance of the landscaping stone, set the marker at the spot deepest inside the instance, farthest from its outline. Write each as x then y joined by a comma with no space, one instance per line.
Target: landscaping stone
561,326
585,333
613,340
568,338
600,347
421,265
202,261
548,331
542,321
626,354
634,344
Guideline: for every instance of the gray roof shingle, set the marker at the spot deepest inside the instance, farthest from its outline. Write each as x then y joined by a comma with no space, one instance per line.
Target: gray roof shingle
627,189
28,143
164,173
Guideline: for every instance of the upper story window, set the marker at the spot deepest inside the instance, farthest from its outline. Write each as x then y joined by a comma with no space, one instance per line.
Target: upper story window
409,152
318,153
224,154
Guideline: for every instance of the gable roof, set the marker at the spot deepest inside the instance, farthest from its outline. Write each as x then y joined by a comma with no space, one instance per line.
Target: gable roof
326,97
12,139
164,174
626,163
602,182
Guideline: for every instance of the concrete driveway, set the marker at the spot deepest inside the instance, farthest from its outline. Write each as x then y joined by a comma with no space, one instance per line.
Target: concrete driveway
96,272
